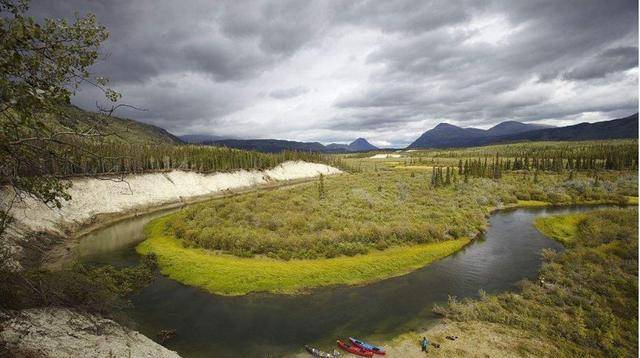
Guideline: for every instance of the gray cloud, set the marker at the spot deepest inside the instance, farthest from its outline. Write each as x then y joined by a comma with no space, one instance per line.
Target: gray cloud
285,93
609,61
387,70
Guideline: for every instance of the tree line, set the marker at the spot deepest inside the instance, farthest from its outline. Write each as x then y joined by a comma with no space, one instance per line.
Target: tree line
494,168
119,158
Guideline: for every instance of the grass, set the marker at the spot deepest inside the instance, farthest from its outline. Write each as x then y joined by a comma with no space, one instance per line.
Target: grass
230,275
360,213
563,228
368,211
532,203
365,226
586,298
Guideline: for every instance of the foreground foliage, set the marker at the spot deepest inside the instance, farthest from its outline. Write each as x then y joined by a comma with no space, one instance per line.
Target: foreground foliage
103,289
586,299
41,66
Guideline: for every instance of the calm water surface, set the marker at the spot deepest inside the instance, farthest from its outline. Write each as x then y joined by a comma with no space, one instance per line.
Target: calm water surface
267,325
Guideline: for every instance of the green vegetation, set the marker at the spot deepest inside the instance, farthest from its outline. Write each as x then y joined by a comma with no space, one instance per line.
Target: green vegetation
586,299
563,228
115,158
42,64
373,211
544,156
113,129
231,275
103,289
349,229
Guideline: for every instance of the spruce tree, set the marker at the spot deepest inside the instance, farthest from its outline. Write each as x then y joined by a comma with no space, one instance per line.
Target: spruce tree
321,190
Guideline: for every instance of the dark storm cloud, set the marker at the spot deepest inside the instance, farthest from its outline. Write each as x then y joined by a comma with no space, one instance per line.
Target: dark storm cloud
610,61
397,67
548,39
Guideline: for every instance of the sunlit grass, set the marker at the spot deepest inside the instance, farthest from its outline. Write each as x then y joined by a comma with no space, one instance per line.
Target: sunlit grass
532,203
563,228
230,275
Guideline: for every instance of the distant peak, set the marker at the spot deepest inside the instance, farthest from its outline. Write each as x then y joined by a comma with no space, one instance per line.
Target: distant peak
445,125
361,144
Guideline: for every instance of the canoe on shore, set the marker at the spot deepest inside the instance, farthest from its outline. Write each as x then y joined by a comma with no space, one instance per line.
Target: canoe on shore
367,346
353,349
318,353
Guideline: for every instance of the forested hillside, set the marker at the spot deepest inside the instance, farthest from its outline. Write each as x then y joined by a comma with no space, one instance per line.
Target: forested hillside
110,128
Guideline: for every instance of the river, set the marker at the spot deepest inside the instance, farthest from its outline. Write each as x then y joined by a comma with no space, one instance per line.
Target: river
269,325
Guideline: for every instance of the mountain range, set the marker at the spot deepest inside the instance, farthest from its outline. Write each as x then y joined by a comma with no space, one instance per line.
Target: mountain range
446,135
277,145
443,135
200,138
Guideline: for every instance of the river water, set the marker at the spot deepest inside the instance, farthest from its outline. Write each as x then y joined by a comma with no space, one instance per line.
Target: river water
268,325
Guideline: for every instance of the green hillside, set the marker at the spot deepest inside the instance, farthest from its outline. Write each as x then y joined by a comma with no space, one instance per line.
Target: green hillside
119,130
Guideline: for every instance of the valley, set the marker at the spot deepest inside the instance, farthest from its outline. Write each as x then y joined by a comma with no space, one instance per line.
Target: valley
327,179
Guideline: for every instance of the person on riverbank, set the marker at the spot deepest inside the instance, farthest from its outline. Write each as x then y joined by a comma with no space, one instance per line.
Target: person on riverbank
425,344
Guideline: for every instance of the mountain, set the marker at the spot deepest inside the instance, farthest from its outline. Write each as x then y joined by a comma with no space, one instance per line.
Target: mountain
123,130
626,127
513,127
336,147
361,145
270,145
276,145
447,135
201,138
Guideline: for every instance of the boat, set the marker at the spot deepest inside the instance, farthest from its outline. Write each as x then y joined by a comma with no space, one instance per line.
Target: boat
353,349
367,346
321,354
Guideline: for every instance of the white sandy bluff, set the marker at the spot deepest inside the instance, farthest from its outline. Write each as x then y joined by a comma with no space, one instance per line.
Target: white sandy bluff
92,196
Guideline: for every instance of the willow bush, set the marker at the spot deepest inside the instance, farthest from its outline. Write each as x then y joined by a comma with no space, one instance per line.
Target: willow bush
372,211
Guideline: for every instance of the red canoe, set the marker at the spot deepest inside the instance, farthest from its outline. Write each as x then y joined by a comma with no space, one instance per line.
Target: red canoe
352,348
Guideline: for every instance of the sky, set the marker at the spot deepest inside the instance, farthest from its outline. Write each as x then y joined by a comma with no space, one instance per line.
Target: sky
388,70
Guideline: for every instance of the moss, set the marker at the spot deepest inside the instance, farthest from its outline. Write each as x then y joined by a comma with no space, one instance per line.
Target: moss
230,275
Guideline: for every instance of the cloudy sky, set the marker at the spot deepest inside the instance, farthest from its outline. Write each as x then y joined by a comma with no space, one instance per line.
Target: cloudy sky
331,71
